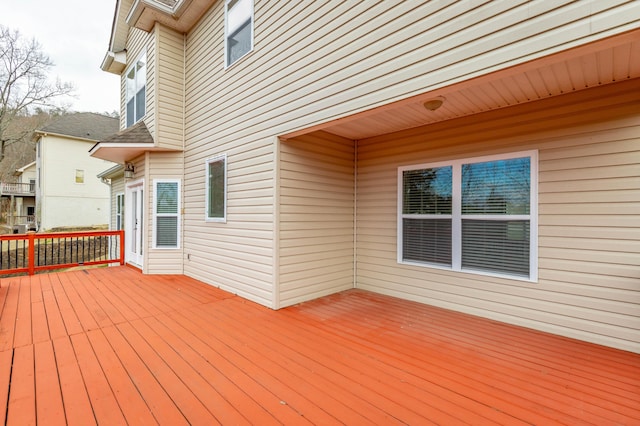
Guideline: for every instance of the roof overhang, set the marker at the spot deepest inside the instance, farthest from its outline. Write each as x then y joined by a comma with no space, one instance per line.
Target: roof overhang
126,145
179,15
605,61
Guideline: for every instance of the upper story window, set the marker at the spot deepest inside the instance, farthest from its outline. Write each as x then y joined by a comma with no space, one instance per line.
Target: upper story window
79,176
136,84
238,29
473,215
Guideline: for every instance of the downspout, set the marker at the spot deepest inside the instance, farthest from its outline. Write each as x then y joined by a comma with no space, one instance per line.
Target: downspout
184,144
355,211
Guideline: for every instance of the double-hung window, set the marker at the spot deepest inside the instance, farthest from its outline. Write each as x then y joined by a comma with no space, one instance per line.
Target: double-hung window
166,213
136,83
238,29
475,215
216,189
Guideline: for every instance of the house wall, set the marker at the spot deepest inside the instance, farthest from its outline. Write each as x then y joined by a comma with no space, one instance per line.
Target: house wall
63,202
169,102
316,217
317,61
589,232
161,165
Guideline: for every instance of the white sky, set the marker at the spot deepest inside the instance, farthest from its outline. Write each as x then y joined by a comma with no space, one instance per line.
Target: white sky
75,35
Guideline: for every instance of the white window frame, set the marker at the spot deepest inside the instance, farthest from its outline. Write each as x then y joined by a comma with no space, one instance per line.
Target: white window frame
156,214
119,211
456,216
79,175
226,34
207,217
138,86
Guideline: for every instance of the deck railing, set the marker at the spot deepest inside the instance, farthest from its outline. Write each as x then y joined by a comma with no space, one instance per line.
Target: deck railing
31,252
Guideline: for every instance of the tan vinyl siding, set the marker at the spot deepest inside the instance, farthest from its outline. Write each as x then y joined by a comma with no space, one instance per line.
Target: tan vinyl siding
333,59
314,62
162,165
236,255
316,203
589,202
169,102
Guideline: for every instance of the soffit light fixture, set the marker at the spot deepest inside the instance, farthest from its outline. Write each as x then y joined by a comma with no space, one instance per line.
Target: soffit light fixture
434,103
129,170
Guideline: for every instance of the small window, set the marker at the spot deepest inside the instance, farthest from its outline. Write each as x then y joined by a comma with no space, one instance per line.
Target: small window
119,211
216,189
136,90
474,215
166,213
79,176
238,29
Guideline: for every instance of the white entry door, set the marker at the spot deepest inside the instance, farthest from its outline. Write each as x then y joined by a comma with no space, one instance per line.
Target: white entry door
134,225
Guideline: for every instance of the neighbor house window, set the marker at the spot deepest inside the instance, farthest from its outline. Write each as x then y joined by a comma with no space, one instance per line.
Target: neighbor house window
166,213
475,215
79,176
238,29
119,211
216,189
136,83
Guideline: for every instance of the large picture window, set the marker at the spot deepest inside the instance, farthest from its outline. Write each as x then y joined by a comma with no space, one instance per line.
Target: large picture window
238,29
476,215
166,213
216,189
136,90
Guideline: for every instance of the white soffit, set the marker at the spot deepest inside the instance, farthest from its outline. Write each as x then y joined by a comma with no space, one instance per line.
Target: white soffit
562,73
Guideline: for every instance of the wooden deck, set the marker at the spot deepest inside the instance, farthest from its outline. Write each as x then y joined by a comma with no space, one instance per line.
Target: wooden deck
113,346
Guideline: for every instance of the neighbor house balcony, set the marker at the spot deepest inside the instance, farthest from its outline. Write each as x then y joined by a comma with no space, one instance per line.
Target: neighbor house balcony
113,346
18,189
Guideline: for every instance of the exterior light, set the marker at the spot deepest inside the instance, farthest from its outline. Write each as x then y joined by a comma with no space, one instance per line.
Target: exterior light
129,170
434,104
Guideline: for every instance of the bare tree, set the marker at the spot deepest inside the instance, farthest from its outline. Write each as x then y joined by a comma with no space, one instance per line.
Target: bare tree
24,85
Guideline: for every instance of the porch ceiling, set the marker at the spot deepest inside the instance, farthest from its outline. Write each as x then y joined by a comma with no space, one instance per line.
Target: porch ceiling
604,62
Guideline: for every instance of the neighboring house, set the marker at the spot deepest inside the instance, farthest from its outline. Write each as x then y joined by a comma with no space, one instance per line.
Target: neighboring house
477,156
68,192
20,213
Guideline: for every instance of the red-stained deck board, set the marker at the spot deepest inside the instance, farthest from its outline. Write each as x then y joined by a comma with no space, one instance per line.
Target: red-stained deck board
206,392
158,401
518,356
114,346
75,398
234,382
188,403
48,394
304,358
358,371
76,313
22,397
279,382
133,406
9,313
6,359
23,335
103,401
55,322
